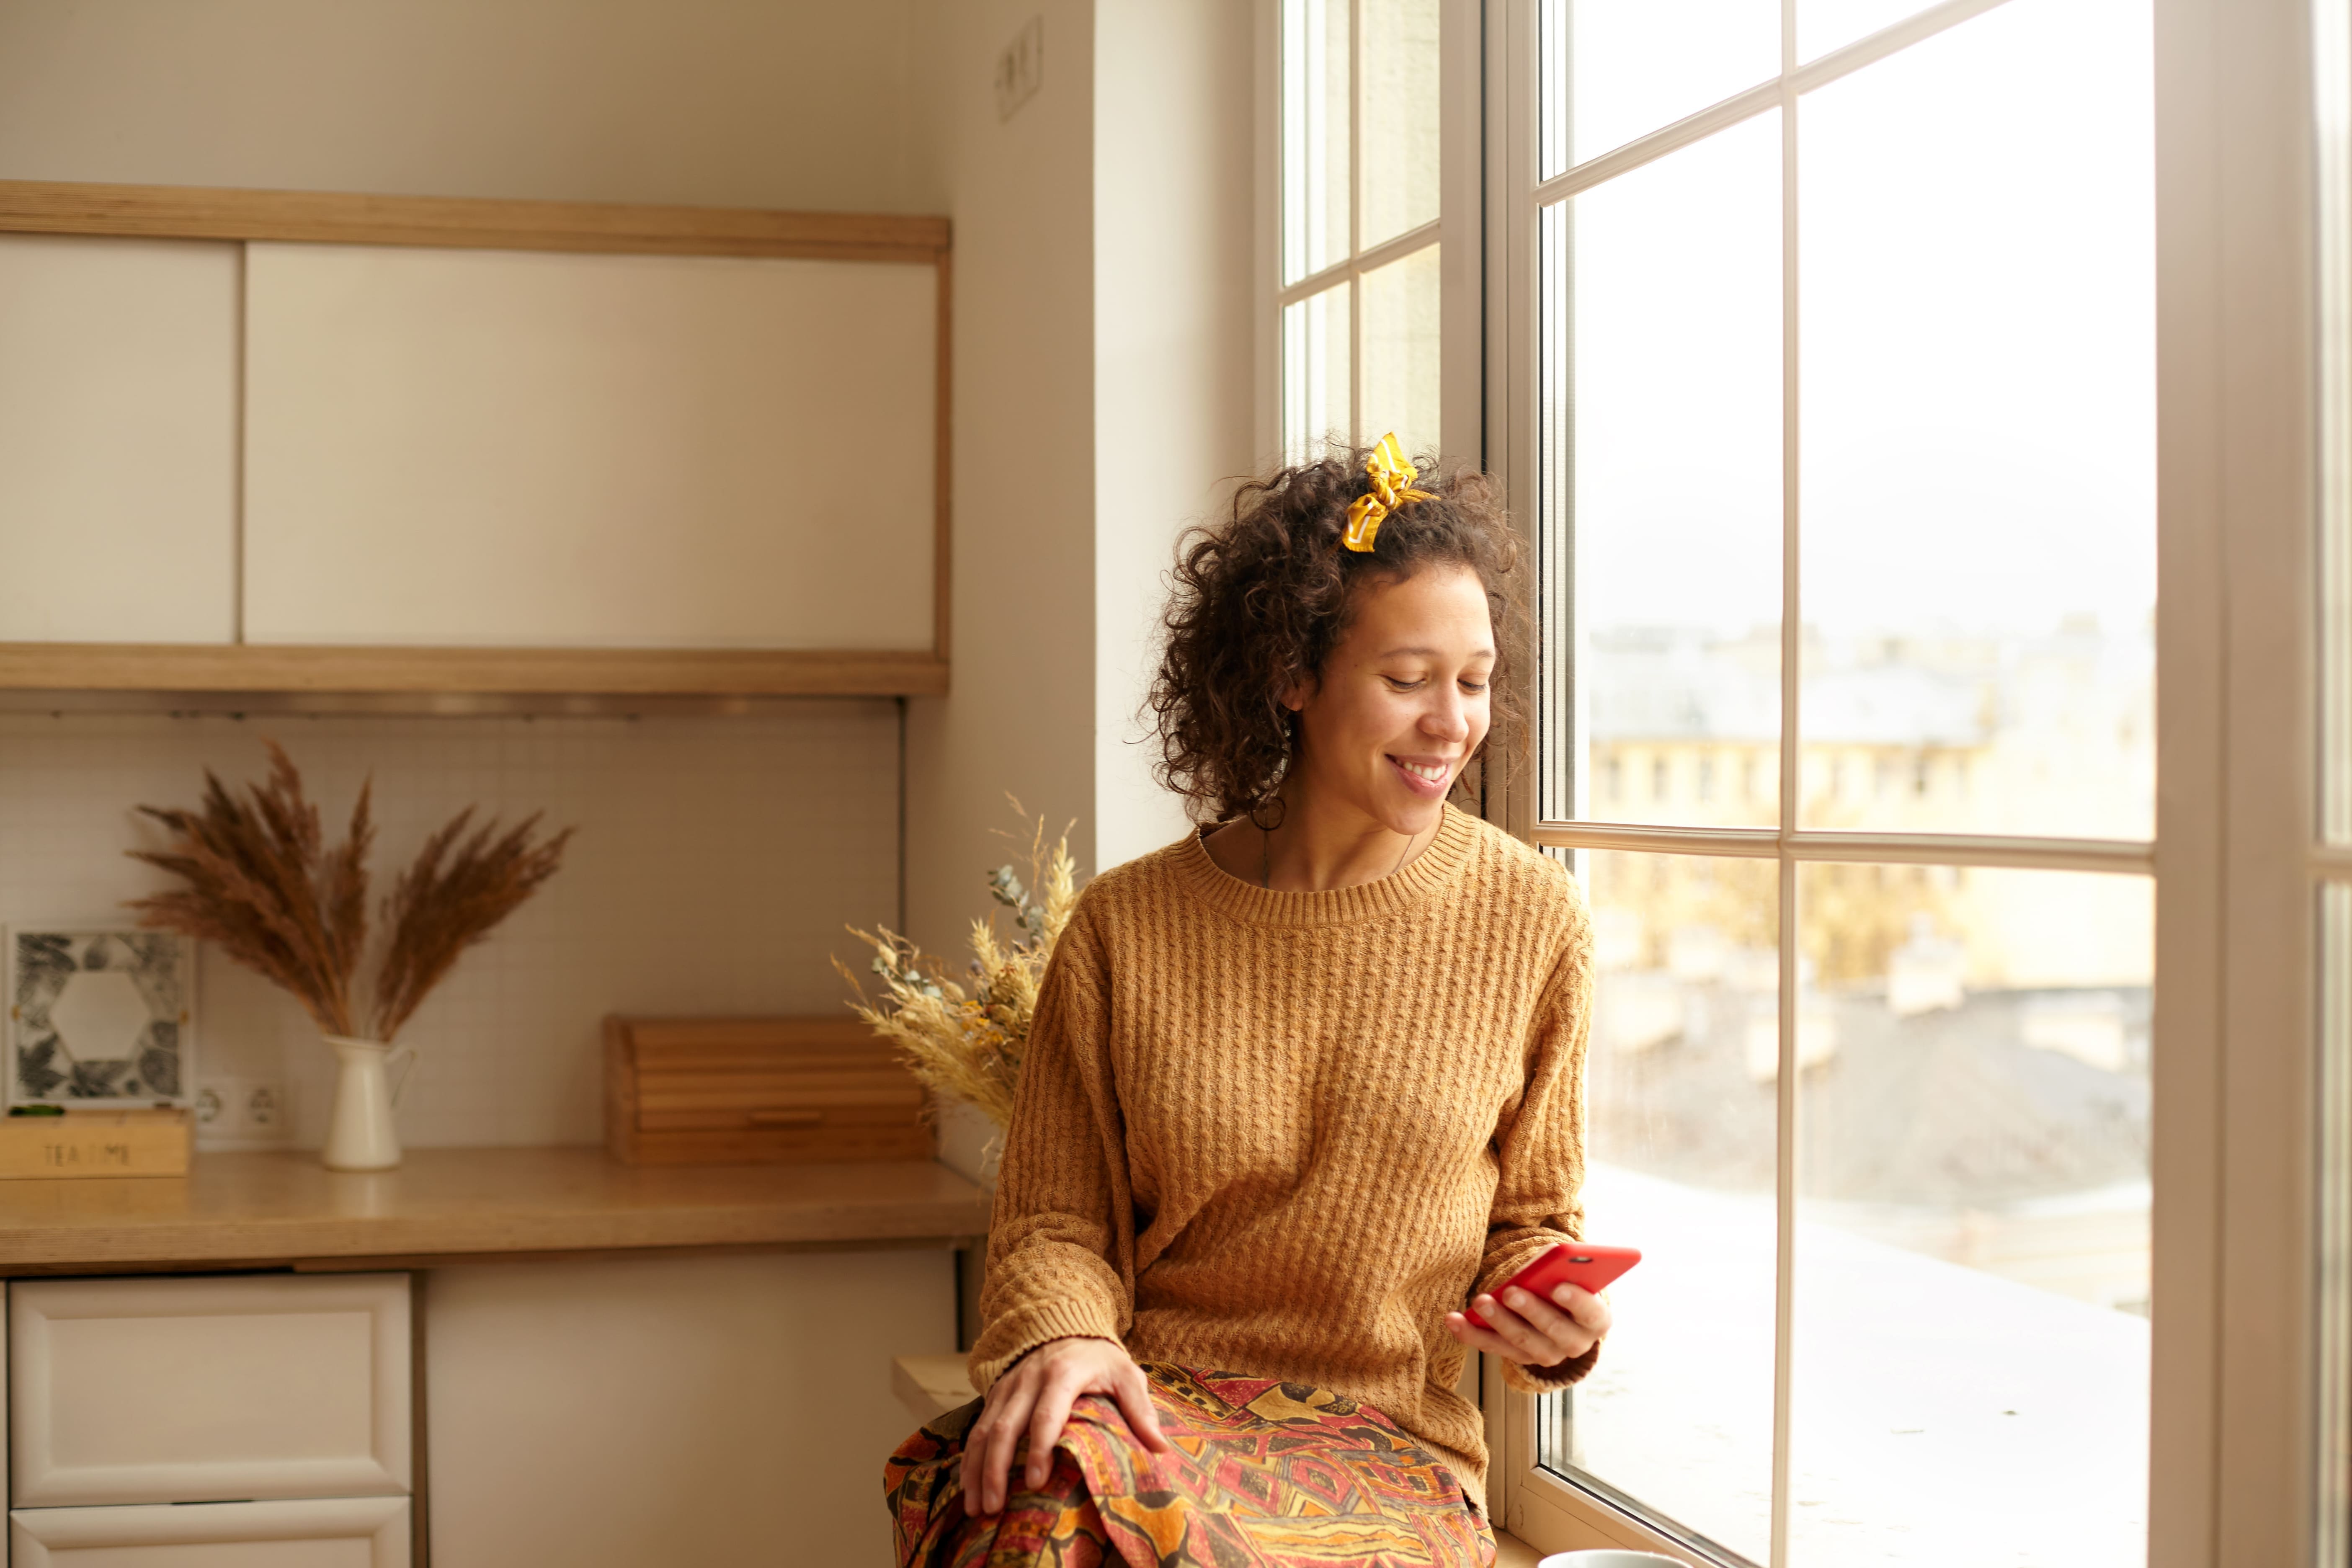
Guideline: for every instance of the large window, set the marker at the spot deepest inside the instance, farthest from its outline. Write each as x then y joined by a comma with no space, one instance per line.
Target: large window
1841,365
1819,344
1846,468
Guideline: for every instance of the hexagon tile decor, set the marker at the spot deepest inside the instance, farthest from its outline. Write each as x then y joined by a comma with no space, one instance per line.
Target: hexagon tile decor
100,1017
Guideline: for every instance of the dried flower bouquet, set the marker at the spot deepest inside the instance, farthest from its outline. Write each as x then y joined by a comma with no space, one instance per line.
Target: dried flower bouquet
259,880
967,1045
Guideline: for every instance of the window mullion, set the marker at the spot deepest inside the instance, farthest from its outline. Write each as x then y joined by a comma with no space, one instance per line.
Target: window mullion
1355,221
2106,856
1786,1084
1372,260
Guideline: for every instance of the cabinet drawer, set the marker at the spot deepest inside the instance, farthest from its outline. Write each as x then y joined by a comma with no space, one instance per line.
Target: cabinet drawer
158,1391
332,1532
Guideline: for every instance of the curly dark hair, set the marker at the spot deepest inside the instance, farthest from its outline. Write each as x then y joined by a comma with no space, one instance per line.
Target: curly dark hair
1262,598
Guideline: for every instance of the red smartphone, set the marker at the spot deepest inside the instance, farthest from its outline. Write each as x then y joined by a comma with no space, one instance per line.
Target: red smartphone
1577,1263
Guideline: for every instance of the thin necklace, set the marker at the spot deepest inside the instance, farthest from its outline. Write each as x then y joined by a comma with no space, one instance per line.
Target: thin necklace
1265,856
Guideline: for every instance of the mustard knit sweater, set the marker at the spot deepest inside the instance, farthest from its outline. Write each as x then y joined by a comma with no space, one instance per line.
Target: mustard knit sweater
1283,1134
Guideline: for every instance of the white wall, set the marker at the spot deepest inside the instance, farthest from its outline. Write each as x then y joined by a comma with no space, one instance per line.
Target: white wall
1175,239
1103,396
1103,392
715,863
713,1412
774,104
712,875
1020,717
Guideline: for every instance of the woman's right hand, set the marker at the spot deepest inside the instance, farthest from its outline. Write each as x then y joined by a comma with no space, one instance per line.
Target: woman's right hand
1035,1396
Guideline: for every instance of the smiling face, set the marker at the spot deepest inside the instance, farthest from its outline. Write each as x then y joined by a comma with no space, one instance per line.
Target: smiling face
1402,702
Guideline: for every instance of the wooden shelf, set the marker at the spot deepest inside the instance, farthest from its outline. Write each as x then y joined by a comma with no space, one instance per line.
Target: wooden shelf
249,669
453,1206
337,217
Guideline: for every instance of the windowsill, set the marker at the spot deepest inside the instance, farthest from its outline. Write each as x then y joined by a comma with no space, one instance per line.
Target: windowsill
1510,1551
1920,1386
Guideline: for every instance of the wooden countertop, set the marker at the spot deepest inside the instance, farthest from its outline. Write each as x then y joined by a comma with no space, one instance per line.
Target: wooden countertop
450,1205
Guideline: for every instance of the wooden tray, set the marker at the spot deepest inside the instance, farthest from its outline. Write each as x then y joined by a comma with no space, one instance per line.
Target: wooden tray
726,1091
95,1144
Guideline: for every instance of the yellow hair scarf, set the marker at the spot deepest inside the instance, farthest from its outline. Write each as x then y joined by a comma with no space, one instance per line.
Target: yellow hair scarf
1392,479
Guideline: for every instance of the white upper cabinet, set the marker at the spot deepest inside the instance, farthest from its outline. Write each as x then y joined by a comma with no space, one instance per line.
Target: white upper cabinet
311,444
505,448
118,439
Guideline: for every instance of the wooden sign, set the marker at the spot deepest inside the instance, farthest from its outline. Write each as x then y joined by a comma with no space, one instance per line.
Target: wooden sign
95,1144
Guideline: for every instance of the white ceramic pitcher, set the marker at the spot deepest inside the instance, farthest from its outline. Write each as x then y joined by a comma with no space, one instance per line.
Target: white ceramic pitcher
361,1135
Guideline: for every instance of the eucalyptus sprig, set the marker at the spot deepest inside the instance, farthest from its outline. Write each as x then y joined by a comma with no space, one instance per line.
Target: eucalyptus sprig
964,1039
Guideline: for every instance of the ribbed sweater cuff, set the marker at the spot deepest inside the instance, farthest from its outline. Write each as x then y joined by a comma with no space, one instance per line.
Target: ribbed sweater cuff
1551,1379
1019,1333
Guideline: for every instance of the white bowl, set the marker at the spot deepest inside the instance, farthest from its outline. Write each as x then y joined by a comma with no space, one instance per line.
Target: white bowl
1610,1557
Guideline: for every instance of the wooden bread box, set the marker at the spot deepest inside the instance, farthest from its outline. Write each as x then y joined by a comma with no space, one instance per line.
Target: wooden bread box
727,1092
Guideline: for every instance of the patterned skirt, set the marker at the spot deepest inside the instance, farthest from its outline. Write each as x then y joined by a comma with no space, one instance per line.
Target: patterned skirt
1264,1475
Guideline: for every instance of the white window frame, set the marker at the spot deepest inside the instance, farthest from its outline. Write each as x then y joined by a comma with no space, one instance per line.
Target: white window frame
2247,122
2330,850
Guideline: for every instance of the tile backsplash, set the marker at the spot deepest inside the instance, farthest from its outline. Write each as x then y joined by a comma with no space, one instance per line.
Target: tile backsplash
717,862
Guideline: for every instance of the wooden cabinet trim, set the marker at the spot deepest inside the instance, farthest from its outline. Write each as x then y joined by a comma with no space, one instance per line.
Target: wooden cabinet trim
339,217
430,671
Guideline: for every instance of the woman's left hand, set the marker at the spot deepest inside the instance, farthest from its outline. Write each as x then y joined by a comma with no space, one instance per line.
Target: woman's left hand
1527,1329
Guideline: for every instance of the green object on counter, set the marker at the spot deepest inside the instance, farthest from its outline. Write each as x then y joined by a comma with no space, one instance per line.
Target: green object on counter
37,1110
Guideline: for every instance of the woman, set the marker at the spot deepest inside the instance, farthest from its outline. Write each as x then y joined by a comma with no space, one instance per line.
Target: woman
1299,1089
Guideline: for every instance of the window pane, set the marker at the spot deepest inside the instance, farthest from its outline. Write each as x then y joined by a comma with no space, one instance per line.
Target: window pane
1399,116
1662,418
1972,1289
1400,368
1826,24
1315,373
1979,424
1679,1414
1315,63
1616,69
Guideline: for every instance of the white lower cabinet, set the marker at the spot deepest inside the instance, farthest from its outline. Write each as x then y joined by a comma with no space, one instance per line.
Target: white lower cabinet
311,1532
173,1423
168,1390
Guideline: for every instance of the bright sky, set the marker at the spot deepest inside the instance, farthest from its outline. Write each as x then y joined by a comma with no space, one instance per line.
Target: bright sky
1977,308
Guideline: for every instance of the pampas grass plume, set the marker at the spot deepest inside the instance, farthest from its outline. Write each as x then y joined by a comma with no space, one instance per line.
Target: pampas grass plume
259,883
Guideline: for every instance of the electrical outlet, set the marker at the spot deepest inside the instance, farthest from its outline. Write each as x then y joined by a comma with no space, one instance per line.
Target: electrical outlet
1021,69
261,1113
213,1098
